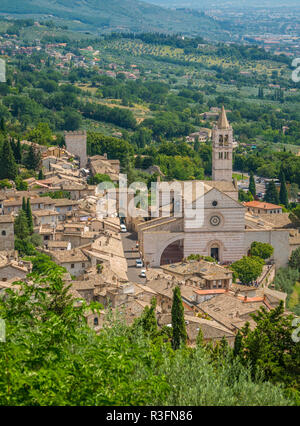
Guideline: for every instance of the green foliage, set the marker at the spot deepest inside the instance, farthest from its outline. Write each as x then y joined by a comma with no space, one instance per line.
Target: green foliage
57,194
51,357
271,195
248,269
294,261
198,257
283,194
41,135
116,149
29,216
5,184
33,158
8,166
98,178
21,185
245,196
270,347
262,250
21,225
179,337
252,186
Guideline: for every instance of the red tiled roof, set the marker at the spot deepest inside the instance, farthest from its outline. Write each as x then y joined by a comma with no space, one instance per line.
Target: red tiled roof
261,205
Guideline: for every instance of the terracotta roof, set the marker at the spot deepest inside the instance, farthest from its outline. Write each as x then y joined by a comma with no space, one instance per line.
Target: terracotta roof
262,205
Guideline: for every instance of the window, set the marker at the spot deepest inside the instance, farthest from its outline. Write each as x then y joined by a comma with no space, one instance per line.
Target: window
220,155
226,142
226,155
72,266
96,321
3,233
221,140
83,265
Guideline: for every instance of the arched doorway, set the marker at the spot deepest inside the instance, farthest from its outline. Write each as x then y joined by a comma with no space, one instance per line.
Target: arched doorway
173,253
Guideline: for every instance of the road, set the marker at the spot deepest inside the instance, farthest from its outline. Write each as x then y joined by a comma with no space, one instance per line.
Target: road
132,253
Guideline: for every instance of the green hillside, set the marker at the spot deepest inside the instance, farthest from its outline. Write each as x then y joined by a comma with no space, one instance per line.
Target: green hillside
103,15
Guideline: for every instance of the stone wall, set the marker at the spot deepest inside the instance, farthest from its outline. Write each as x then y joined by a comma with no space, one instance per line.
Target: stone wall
76,144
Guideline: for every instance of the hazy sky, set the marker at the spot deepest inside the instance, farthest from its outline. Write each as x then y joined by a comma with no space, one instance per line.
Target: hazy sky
236,3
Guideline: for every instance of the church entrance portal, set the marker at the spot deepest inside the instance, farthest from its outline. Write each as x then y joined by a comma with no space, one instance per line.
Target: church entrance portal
214,252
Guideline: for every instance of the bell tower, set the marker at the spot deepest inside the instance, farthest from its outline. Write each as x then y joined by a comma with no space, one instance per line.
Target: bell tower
222,147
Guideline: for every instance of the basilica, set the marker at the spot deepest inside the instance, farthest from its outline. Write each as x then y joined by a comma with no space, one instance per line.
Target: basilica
226,230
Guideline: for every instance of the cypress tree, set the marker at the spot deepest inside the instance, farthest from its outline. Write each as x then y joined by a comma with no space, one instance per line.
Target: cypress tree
29,216
179,332
8,166
252,186
2,124
18,152
21,225
41,175
283,194
33,158
271,193
200,339
24,205
237,349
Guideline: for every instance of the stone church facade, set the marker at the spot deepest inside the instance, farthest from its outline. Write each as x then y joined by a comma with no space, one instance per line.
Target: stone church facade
225,232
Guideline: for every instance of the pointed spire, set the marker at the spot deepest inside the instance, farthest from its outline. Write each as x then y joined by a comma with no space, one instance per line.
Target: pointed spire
223,122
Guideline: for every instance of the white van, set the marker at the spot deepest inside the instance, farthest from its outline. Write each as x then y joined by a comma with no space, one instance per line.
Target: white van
123,228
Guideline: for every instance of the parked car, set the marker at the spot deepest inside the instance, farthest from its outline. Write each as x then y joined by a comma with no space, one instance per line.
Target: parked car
123,228
139,263
143,273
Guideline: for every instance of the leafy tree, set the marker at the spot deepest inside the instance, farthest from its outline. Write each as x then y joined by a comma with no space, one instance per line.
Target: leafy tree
252,186
270,347
41,135
271,195
245,196
178,324
248,269
262,250
148,319
21,185
64,357
8,166
98,178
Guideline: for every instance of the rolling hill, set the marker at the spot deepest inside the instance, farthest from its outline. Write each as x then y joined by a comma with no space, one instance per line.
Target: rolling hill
122,15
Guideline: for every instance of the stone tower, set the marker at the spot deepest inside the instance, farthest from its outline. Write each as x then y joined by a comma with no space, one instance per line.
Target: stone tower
222,147
76,145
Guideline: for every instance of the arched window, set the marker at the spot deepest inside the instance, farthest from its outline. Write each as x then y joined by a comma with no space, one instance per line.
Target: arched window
96,322
3,233
226,141
221,140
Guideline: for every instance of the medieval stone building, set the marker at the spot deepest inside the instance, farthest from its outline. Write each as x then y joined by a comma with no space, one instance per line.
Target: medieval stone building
225,230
